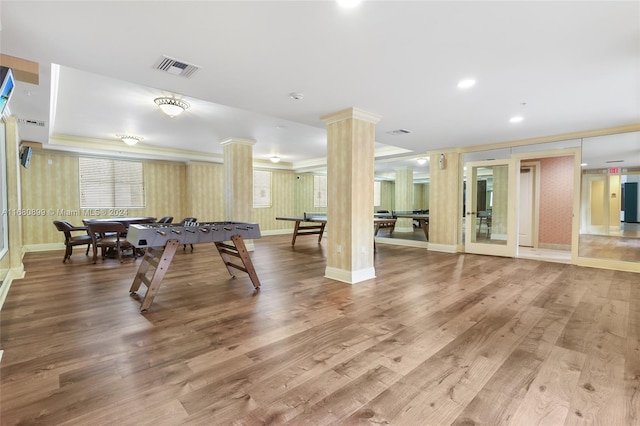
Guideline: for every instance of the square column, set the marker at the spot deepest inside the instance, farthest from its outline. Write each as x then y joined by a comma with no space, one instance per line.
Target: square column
238,181
350,174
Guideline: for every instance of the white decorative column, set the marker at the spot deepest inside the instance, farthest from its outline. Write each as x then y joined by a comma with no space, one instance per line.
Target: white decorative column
350,159
404,198
238,181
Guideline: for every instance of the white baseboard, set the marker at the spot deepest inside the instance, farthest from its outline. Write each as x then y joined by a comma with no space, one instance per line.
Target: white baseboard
350,277
42,247
564,247
401,242
444,248
276,232
12,274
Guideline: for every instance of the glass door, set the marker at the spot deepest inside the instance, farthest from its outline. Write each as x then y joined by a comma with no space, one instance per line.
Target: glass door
490,221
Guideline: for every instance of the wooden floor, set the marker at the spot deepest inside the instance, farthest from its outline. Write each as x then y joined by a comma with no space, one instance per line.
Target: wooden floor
435,339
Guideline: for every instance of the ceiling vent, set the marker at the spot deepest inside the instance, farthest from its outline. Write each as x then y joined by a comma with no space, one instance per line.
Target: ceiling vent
399,132
38,123
175,67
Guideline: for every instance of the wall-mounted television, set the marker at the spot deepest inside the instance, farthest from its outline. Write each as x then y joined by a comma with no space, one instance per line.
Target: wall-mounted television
7,84
25,156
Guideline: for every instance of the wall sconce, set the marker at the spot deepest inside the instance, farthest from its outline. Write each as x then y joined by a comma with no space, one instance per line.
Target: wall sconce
613,195
442,162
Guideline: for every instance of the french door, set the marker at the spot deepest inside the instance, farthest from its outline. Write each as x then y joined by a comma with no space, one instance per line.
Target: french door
490,219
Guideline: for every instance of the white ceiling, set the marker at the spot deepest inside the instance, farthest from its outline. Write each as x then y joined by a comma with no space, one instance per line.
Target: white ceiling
564,66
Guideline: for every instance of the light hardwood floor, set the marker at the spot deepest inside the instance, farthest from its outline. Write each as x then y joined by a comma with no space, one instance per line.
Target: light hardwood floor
435,339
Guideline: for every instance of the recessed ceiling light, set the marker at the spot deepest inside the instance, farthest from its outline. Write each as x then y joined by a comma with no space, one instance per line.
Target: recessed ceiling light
516,119
583,164
466,83
348,3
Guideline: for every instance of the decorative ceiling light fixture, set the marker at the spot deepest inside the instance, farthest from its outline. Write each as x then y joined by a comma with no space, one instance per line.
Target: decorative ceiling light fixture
275,159
348,3
129,140
171,106
422,161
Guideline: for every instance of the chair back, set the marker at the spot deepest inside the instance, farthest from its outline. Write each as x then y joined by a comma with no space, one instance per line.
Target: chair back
166,219
63,226
188,220
102,228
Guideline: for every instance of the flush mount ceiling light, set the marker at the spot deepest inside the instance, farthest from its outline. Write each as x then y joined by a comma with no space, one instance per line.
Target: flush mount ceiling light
348,3
516,119
275,159
129,140
296,96
466,83
422,160
171,106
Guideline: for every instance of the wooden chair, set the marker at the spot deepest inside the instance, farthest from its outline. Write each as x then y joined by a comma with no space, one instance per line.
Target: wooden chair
109,235
72,240
184,222
166,219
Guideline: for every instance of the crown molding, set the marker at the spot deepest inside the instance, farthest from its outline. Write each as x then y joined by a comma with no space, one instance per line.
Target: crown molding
353,113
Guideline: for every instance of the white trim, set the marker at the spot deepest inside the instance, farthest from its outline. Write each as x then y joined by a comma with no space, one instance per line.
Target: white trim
12,274
42,247
277,232
444,248
353,113
615,265
402,242
350,277
238,141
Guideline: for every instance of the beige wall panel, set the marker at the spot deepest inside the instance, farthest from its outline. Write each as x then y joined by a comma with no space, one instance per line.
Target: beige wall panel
282,202
205,192
13,193
238,180
164,187
444,199
387,196
303,198
49,185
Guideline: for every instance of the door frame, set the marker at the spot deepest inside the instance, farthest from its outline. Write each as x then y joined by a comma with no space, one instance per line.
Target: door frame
535,214
508,250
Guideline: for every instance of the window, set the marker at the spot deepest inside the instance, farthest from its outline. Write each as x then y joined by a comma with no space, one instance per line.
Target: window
376,193
319,191
106,183
261,189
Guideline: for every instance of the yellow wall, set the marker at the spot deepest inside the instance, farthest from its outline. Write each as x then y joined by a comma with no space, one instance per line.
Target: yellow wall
445,194
597,195
195,189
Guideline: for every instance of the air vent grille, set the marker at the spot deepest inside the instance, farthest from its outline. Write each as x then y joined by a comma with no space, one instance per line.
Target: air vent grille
399,132
175,67
38,123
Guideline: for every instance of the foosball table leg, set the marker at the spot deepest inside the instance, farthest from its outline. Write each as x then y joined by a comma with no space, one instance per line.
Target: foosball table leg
160,259
239,250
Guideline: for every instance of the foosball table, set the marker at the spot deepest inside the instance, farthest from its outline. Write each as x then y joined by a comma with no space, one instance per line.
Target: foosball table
161,241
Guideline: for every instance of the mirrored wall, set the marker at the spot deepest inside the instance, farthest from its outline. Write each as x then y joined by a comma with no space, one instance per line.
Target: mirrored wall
610,198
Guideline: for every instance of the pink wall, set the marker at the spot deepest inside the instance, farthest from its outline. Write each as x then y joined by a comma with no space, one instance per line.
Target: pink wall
556,200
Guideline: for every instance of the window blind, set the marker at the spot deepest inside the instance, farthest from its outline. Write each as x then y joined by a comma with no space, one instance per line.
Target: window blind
261,189
107,183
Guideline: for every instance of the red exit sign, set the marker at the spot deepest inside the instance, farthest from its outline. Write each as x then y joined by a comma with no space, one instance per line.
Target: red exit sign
614,170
